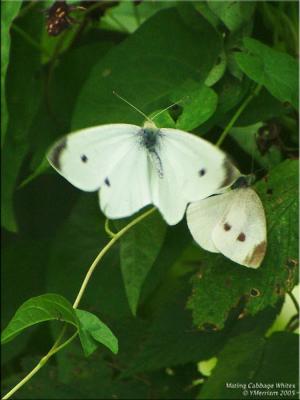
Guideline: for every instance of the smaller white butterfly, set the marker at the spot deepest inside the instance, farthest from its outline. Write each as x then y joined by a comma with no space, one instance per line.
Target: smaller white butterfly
232,223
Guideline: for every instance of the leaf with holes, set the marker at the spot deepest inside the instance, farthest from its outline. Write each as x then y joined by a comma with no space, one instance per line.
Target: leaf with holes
222,284
199,103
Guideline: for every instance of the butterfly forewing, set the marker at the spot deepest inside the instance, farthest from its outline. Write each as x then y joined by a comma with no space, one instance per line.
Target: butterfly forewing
85,158
206,168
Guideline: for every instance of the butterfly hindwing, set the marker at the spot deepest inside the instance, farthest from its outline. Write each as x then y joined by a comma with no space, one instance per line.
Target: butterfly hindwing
232,223
127,189
203,216
241,234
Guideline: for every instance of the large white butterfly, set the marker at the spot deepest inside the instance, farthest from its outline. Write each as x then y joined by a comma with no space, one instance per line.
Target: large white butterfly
232,223
134,167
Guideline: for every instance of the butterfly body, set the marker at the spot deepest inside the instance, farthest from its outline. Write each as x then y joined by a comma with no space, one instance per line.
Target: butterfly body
136,166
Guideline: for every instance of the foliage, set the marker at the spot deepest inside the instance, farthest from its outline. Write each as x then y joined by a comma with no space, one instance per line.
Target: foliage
157,304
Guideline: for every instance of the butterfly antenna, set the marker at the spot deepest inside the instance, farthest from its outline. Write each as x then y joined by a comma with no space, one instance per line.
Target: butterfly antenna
135,108
165,109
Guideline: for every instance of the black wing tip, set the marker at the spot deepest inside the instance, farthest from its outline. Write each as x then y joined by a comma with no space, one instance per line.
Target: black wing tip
229,174
56,151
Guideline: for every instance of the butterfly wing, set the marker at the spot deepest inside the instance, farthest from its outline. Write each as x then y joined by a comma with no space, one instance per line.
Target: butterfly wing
166,188
127,187
204,215
205,169
241,234
85,158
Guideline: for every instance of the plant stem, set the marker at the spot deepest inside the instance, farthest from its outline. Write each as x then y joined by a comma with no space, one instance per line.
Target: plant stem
105,249
110,233
54,349
294,300
237,114
56,346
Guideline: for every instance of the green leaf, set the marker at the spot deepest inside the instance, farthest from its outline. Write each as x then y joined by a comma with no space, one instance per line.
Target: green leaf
280,360
92,330
9,11
199,103
222,283
234,14
249,359
277,71
139,249
38,309
246,137
163,64
40,170
217,71
127,16
172,329
23,91
236,363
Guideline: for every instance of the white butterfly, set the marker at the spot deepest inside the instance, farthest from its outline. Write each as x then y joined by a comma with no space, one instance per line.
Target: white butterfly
232,223
134,167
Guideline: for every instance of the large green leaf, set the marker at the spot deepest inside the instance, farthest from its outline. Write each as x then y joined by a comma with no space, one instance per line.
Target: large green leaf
53,119
146,67
38,309
23,92
277,71
222,283
139,249
9,11
250,366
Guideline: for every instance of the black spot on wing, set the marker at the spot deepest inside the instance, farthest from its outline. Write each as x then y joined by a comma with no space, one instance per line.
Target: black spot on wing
107,182
202,172
55,155
227,227
84,158
241,237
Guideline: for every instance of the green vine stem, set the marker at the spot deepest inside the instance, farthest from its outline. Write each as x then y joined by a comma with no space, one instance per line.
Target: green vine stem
57,346
105,249
237,114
